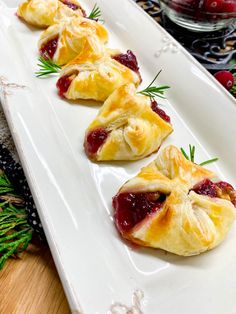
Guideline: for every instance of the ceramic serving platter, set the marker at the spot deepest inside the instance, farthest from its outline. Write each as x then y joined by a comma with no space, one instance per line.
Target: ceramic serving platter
100,272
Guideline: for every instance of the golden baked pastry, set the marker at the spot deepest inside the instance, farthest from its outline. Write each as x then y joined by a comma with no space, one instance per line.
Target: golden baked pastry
175,205
43,13
62,42
97,76
129,126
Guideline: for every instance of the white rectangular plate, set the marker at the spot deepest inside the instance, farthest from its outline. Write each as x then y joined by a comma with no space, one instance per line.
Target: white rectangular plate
73,195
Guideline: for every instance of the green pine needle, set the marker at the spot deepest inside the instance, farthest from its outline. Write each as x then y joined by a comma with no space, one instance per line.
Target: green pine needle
15,232
4,180
47,67
5,185
191,156
96,14
154,91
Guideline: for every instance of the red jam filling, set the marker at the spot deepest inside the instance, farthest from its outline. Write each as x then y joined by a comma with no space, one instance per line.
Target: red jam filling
132,208
63,84
220,189
206,187
160,112
94,140
70,5
128,59
74,6
49,49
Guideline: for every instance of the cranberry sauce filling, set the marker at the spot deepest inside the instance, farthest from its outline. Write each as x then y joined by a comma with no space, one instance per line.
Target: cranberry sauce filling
63,84
206,187
70,5
226,189
94,140
220,189
128,59
48,50
160,112
74,6
132,208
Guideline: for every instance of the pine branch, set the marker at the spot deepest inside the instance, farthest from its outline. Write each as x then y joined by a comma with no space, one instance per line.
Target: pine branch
15,232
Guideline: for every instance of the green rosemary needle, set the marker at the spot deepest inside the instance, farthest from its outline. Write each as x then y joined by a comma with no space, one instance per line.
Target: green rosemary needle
96,14
184,153
191,156
208,161
192,152
47,67
152,91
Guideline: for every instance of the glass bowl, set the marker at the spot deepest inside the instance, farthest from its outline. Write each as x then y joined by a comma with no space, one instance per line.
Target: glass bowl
201,15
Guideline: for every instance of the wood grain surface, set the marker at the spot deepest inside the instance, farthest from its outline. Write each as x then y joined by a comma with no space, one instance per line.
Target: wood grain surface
30,284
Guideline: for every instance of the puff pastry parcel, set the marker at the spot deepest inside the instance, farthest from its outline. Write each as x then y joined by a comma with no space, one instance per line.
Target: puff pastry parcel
129,126
62,42
44,13
97,76
175,205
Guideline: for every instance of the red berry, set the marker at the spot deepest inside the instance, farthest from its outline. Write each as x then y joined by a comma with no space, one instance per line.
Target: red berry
213,6
226,78
187,7
229,7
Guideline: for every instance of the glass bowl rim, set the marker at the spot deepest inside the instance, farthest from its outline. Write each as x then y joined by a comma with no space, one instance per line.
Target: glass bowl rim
207,13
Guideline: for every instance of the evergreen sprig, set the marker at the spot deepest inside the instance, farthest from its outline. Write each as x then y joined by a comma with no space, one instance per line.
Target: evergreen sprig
153,91
47,67
15,232
191,156
96,14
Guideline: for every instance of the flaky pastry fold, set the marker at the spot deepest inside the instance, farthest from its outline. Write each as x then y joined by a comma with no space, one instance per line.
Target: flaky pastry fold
130,128
165,207
43,13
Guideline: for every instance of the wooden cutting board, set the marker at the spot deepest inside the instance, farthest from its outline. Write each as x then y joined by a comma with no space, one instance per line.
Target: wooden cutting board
30,284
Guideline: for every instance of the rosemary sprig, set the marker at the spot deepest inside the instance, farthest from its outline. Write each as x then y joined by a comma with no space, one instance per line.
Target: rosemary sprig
191,156
47,67
15,232
96,14
152,91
